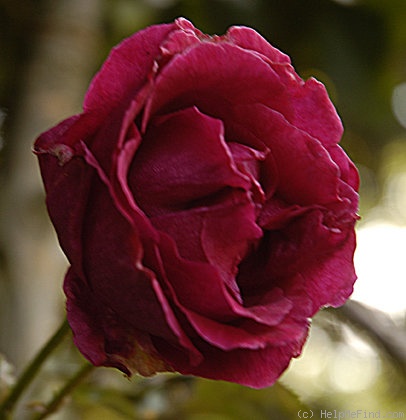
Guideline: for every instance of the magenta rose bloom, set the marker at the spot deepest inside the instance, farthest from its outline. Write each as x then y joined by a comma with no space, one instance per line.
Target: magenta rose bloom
204,205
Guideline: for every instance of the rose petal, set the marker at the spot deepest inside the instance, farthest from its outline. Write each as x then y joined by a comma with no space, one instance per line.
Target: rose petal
307,97
274,318
349,173
249,39
305,242
180,40
208,234
126,70
315,113
330,281
91,211
247,334
255,368
276,214
235,74
308,247
66,204
183,161
232,73
249,162
265,308
299,158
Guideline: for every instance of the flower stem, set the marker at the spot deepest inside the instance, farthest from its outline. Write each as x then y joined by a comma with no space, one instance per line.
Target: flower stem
54,404
31,370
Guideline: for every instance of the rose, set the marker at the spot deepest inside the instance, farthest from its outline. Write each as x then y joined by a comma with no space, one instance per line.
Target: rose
204,204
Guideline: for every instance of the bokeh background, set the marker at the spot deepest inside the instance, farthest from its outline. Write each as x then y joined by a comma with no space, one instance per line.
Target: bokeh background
355,358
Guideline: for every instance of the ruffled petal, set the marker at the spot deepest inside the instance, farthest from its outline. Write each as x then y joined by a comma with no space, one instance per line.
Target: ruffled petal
300,159
330,281
183,162
257,368
126,70
105,338
235,74
249,39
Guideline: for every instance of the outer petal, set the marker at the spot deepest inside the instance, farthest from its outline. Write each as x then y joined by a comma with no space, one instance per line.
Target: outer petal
113,255
126,70
103,337
61,174
315,113
349,173
249,39
305,242
300,158
255,368
330,281
235,74
321,255
220,302
91,231
270,318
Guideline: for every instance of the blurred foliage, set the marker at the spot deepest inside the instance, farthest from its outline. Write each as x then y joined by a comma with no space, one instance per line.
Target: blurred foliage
172,397
358,49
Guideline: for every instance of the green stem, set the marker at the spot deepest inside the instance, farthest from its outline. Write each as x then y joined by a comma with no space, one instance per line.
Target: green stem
54,404
29,373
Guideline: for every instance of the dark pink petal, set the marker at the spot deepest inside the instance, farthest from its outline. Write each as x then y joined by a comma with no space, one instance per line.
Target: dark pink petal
277,317
208,234
181,39
224,245
247,334
249,39
126,70
105,338
276,214
315,113
348,171
218,303
114,269
348,206
305,242
266,308
62,140
67,205
113,131
299,158
235,74
255,368
330,281
122,194
248,161
183,161
87,329
299,248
